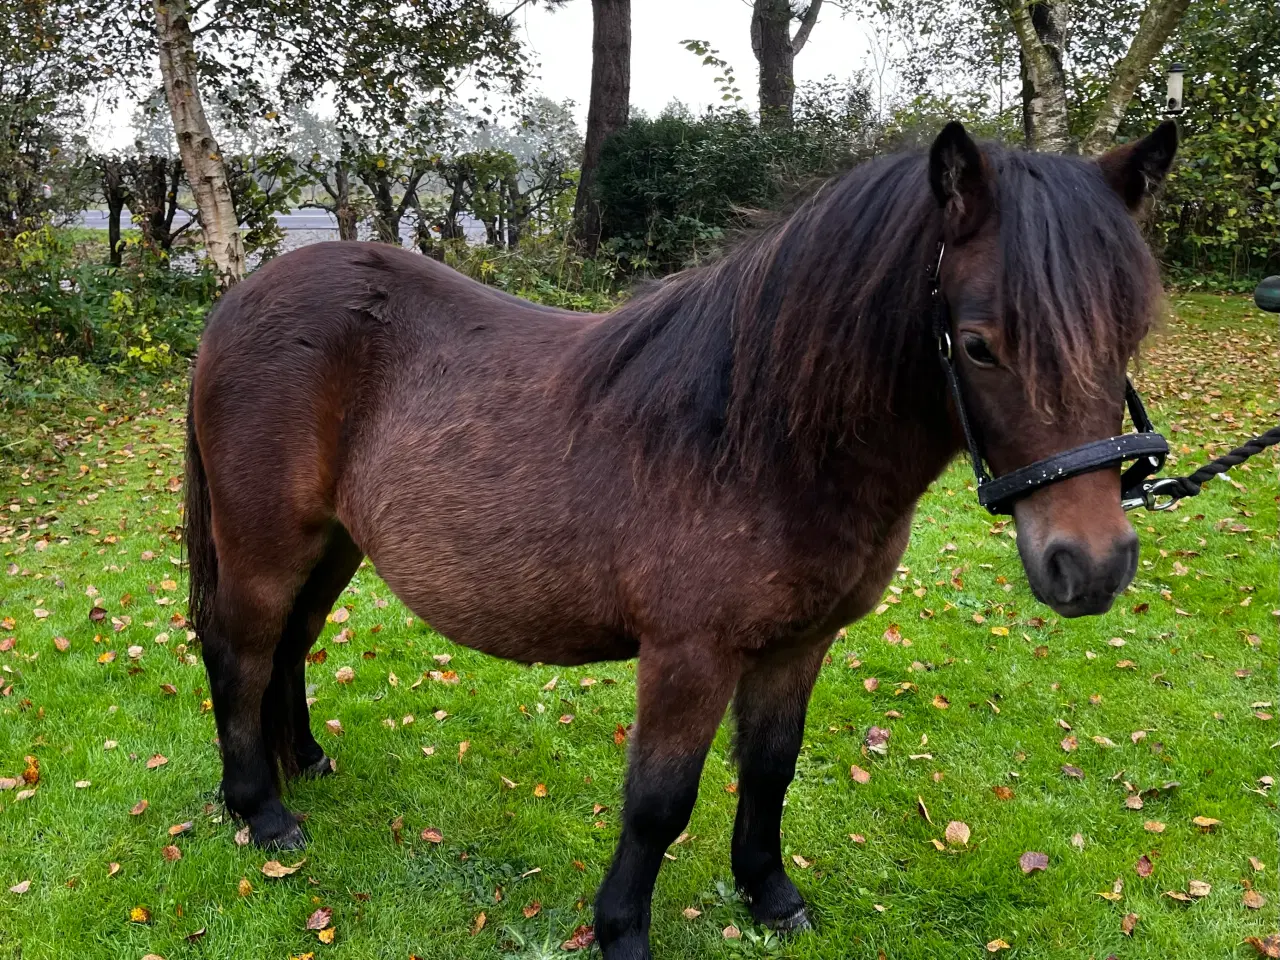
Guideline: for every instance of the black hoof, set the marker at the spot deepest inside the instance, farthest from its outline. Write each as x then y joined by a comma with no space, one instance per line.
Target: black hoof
291,838
795,922
321,768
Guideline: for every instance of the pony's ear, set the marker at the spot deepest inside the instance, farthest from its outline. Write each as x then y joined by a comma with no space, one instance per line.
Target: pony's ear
1137,169
959,176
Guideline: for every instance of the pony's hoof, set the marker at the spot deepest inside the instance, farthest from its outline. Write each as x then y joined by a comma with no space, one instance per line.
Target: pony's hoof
321,768
290,838
794,922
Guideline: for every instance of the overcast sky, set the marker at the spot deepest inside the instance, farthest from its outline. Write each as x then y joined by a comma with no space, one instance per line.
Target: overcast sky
661,69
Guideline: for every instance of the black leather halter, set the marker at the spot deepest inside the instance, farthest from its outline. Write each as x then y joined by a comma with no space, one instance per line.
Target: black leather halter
1146,448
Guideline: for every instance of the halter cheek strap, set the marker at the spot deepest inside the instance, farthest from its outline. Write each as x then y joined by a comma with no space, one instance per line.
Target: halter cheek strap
1146,448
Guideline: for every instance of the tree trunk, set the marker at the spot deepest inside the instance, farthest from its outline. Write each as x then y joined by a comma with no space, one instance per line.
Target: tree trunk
1158,21
517,210
343,208
206,173
113,190
1040,26
607,109
776,51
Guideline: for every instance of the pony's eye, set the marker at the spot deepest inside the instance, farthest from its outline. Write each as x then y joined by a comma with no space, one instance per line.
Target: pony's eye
979,352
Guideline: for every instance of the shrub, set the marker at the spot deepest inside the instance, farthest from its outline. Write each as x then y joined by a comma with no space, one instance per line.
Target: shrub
670,187
53,305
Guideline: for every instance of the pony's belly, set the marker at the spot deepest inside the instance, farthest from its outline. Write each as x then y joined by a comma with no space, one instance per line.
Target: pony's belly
566,645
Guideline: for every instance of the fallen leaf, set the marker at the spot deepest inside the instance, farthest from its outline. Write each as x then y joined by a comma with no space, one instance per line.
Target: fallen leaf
171,853
1002,792
328,933
112,869
1133,802
341,615
1069,744
996,945
532,910
139,808
1254,900
800,861
957,833
1077,841
178,828
1268,946
320,919
1074,772
731,932
1143,867
859,775
139,915
582,938
275,869
334,727
941,702
62,644
344,675
1258,865
1176,895
877,740
432,835
157,760
690,913
20,888
871,684
1153,826
924,811
1205,823
245,888
540,790
1128,923
1198,888
242,837
1032,861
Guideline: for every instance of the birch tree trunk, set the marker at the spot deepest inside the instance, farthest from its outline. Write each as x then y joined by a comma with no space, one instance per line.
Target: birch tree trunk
201,158
1159,20
607,109
1041,28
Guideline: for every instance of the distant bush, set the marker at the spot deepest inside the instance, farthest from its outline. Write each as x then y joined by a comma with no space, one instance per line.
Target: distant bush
543,268
670,187
53,305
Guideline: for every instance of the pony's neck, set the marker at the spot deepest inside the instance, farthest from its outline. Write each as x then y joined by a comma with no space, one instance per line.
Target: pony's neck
806,350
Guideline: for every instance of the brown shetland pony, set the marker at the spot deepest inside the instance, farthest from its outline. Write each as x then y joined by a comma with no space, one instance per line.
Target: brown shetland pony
714,477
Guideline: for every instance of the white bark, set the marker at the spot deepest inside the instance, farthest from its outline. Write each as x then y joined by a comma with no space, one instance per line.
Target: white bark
1158,21
1042,53
201,158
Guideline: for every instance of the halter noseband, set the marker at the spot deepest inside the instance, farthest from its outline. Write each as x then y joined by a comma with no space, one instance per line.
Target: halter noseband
1146,447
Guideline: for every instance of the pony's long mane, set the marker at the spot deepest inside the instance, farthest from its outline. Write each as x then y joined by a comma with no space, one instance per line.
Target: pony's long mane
780,350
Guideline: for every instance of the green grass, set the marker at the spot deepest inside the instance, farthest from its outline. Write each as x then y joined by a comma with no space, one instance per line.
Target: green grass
1199,624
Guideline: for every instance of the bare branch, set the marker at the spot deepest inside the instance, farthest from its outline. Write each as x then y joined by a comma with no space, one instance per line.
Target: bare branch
806,26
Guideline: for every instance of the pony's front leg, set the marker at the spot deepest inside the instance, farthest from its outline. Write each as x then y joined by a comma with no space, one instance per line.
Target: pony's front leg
769,705
682,691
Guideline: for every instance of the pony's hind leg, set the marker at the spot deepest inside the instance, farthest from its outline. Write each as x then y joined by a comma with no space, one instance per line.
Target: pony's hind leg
292,739
769,707
239,639
682,692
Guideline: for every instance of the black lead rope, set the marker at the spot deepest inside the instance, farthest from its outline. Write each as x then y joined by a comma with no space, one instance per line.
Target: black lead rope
1152,493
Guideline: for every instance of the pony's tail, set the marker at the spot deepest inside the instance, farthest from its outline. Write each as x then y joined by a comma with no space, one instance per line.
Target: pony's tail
197,531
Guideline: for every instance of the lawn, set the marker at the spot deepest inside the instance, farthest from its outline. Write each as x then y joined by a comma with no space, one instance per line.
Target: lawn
1041,736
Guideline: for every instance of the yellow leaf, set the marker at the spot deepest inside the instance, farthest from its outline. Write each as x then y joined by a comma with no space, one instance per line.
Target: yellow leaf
326,935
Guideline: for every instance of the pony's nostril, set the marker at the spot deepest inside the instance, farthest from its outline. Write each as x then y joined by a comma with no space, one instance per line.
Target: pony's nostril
1066,571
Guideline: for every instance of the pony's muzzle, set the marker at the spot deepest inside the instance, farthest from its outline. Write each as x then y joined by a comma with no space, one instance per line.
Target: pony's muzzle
1078,581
